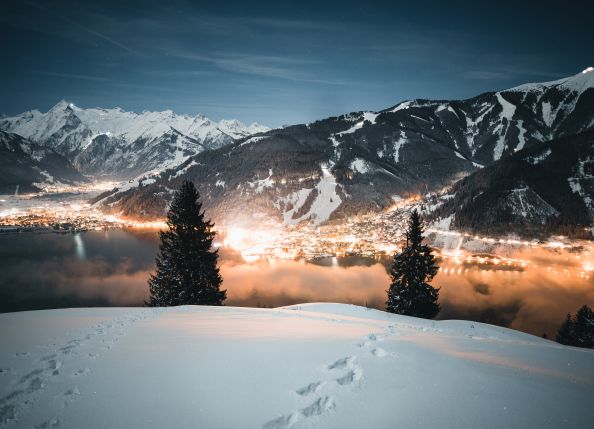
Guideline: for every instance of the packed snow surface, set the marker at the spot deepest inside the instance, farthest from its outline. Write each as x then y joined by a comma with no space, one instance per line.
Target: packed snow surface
313,365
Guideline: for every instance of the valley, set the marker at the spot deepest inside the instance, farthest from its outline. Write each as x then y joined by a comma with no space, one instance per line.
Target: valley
503,181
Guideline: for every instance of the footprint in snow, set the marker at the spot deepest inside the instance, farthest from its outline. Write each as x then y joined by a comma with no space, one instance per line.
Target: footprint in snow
351,377
310,388
342,363
379,352
282,422
317,408
50,424
54,364
71,395
35,385
8,413
30,375
82,372
375,337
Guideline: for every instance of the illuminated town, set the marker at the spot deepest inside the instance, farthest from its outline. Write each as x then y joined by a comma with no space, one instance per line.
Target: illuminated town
374,236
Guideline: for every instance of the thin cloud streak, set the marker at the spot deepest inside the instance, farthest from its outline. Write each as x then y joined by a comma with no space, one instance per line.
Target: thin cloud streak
506,73
262,65
75,76
86,29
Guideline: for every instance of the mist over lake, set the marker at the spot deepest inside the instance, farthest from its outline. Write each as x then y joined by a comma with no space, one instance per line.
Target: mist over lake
111,268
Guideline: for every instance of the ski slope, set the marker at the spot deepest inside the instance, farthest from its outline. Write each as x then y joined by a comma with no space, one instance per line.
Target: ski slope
305,366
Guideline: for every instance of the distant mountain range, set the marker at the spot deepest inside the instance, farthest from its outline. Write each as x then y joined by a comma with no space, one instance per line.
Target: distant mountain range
364,161
478,150
29,167
117,144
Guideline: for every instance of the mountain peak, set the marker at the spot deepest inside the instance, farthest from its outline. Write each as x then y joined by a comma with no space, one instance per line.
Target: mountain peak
578,82
255,128
62,105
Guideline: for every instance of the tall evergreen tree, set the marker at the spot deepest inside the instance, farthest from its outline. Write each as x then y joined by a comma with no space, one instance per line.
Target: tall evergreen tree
565,333
410,293
584,327
578,330
187,271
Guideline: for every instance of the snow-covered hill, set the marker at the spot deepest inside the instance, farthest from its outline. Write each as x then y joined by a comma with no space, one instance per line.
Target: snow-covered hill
313,365
116,143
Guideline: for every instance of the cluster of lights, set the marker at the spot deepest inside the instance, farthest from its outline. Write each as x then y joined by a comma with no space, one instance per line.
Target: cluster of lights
77,217
374,235
551,244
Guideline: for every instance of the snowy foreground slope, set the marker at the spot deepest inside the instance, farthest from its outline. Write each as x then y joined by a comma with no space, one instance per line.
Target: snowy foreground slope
315,365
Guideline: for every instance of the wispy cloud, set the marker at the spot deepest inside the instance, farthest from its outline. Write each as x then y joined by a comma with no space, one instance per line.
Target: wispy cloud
170,73
82,27
99,35
510,73
75,76
485,74
282,67
293,24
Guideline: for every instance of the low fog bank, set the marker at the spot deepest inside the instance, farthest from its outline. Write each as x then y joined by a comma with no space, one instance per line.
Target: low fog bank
112,268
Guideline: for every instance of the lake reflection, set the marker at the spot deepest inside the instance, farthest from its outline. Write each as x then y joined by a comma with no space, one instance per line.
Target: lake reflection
103,268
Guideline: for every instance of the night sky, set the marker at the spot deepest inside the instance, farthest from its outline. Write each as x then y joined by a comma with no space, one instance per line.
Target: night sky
281,62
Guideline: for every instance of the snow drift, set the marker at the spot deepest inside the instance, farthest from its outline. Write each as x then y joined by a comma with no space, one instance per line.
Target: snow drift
314,365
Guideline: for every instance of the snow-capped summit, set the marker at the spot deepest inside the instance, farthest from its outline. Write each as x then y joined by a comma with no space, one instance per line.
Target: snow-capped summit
578,83
121,143
256,128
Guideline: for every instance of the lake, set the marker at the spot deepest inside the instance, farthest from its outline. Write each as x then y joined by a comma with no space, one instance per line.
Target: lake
111,268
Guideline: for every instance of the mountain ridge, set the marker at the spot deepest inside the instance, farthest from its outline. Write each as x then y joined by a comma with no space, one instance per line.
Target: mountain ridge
363,161
29,167
123,144
543,189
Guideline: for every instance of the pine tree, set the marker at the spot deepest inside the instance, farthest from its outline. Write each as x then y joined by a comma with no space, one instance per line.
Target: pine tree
410,293
187,271
584,328
578,330
565,334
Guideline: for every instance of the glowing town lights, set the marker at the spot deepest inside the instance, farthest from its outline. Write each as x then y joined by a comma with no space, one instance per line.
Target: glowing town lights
588,70
255,244
372,235
235,238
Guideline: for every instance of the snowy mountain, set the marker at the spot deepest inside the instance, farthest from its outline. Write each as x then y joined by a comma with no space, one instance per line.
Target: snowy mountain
29,167
363,161
545,188
312,365
120,144
485,128
291,175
